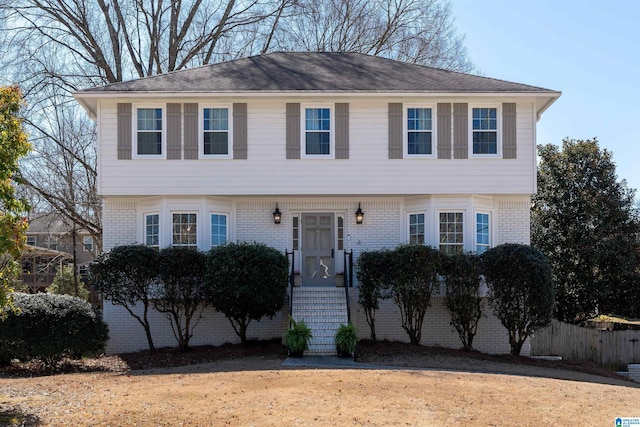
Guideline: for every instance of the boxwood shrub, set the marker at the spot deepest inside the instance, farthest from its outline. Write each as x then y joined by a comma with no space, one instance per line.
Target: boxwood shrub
48,327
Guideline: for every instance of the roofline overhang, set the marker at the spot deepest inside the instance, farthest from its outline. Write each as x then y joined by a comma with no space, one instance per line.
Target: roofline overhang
89,99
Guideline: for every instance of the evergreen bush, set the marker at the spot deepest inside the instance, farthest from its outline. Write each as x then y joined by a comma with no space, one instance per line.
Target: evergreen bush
49,327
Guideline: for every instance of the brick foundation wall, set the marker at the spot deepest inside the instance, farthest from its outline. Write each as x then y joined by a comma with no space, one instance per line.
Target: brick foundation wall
127,335
491,336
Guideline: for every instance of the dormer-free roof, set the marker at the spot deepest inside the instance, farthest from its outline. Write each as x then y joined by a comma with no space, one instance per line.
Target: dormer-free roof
313,73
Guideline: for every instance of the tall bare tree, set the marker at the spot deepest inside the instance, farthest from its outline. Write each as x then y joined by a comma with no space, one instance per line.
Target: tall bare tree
54,47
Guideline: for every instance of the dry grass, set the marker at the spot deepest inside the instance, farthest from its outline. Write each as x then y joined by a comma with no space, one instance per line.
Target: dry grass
258,391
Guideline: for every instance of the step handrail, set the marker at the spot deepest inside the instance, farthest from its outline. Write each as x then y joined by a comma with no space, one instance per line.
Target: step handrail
291,281
348,282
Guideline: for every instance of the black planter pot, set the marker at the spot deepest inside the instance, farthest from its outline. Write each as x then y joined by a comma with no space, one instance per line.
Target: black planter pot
295,354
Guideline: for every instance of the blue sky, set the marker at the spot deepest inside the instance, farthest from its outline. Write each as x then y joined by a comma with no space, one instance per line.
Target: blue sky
587,49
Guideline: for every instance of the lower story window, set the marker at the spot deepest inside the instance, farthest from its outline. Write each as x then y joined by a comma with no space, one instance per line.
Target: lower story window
482,233
152,230
451,232
185,230
218,229
416,229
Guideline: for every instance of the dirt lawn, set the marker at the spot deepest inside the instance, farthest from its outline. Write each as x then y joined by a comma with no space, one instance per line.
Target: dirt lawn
256,390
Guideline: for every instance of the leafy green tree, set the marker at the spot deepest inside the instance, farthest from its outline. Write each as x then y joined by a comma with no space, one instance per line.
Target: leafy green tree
584,221
64,284
520,290
245,282
373,278
127,276
462,274
415,271
181,292
13,146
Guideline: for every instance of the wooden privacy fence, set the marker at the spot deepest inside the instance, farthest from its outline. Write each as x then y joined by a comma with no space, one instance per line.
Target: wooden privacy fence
583,344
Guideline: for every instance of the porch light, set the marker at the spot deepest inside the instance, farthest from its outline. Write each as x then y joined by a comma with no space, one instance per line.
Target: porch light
277,215
359,215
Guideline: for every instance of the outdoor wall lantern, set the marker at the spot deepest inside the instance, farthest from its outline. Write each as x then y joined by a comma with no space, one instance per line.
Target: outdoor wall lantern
277,215
359,215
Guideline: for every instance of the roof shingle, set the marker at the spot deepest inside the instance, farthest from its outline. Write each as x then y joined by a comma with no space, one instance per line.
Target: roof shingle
316,72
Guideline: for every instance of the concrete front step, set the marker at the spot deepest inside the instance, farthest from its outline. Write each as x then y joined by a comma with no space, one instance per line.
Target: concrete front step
323,310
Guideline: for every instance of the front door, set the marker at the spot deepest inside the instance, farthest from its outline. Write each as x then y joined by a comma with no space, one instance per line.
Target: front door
318,249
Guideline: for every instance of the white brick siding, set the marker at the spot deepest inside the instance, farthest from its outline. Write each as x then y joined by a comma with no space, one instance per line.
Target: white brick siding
251,220
126,334
118,224
491,336
514,221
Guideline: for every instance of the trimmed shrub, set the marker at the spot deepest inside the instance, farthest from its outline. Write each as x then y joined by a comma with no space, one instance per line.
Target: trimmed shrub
127,276
462,274
181,292
414,269
520,290
64,284
245,282
49,327
373,272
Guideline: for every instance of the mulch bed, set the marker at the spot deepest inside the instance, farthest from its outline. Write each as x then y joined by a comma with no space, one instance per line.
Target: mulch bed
382,353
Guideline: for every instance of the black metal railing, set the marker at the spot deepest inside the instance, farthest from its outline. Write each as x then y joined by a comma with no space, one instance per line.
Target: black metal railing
291,281
348,280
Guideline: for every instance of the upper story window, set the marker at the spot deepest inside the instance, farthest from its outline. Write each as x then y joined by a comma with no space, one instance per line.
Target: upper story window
52,242
417,228
87,242
483,241
215,131
219,229
32,241
484,128
451,232
419,131
185,230
317,138
149,135
152,230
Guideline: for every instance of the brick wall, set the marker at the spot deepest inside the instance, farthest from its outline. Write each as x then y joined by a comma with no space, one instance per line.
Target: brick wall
254,222
127,335
491,336
118,224
514,221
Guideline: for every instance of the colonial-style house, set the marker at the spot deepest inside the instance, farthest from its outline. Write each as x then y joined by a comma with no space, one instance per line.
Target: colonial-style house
318,154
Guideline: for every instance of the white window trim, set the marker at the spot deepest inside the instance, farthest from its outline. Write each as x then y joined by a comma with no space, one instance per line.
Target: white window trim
201,154
134,130
475,229
144,228
303,132
35,240
198,227
405,132
228,216
465,240
408,227
498,153
84,244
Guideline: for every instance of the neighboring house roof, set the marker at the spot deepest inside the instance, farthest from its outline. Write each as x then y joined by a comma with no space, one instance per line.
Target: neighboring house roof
50,224
47,223
312,72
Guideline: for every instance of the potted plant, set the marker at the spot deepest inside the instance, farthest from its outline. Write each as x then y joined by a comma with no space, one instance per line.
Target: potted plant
346,338
297,338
